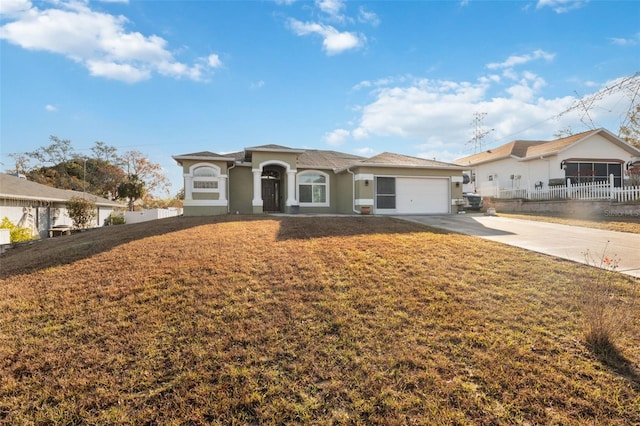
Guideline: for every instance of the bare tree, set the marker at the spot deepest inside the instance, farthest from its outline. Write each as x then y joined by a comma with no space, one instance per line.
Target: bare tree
135,163
22,161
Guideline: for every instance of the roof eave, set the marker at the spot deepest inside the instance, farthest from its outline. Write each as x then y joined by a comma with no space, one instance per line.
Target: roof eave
178,158
282,150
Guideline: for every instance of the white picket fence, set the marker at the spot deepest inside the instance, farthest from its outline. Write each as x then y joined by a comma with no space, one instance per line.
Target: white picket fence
577,191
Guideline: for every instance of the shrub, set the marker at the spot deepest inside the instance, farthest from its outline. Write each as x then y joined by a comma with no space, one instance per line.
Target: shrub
17,234
81,211
116,219
605,311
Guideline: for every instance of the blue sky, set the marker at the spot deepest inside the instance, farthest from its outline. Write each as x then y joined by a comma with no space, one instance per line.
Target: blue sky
175,77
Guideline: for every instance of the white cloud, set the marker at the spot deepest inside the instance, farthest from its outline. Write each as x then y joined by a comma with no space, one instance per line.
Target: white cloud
214,61
366,16
439,113
50,108
337,137
561,6
632,41
514,60
333,8
366,151
334,41
97,40
10,8
257,85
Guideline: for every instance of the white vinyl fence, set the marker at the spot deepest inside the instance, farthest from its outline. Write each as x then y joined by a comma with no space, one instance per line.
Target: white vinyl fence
577,191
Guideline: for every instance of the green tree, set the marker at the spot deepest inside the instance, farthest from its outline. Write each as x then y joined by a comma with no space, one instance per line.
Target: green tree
132,190
81,211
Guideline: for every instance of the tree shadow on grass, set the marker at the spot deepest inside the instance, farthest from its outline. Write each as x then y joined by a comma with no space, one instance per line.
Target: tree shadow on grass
36,255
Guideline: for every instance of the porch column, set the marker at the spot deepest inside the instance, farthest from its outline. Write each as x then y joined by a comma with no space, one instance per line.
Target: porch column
257,187
188,186
291,188
222,188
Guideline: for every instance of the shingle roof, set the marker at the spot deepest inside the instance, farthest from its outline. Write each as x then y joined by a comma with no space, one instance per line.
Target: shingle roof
272,147
514,148
313,158
554,146
15,188
390,159
202,155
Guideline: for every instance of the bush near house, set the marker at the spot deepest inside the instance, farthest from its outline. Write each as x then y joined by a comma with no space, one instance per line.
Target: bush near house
17,234
81,211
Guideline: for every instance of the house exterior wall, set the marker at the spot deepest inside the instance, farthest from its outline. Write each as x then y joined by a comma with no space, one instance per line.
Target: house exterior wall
344,193
240,190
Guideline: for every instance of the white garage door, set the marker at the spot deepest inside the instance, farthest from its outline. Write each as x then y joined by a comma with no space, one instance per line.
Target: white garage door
422,195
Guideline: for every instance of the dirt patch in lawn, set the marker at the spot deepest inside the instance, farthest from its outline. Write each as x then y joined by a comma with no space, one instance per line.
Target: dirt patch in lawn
301,320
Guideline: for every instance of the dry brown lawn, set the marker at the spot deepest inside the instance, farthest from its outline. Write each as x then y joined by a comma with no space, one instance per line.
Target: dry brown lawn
301,320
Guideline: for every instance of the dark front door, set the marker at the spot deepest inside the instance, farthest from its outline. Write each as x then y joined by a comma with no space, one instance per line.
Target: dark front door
271,186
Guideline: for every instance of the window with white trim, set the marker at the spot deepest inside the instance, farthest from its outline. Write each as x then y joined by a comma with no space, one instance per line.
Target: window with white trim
205,179
313,188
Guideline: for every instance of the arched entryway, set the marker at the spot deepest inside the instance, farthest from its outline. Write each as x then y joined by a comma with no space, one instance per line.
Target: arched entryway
271,181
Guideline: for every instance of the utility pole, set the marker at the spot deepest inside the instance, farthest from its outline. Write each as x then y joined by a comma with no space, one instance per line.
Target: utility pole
478,131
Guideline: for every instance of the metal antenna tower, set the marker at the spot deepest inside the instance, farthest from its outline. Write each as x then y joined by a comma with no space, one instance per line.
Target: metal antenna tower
478,131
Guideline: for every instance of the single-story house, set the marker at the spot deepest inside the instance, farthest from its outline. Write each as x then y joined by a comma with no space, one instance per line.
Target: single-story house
273,178
39,207
590,156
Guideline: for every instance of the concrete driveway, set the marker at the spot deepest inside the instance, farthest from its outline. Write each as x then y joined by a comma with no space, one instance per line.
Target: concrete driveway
566,242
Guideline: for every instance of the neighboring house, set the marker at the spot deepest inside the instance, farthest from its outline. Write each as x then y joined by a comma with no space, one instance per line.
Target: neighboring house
590,156
273,178
40,207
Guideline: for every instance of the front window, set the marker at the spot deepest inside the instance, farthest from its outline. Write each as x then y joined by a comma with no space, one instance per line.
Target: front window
313,189
588,172
205,179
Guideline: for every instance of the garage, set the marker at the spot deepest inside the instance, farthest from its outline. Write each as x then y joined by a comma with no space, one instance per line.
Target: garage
416,195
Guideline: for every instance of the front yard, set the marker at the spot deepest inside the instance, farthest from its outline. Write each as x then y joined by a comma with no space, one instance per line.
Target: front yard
262,320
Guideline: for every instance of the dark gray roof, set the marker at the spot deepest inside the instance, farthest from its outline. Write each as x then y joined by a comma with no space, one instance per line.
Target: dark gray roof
15,188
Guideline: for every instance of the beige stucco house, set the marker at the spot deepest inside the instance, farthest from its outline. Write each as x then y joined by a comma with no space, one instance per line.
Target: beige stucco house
273,178
590,156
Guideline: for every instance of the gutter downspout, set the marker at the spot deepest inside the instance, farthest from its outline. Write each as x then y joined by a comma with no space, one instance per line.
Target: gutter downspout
353,190
229,187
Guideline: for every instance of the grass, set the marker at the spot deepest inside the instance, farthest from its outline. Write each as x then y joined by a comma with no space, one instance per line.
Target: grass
299,320
629,224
